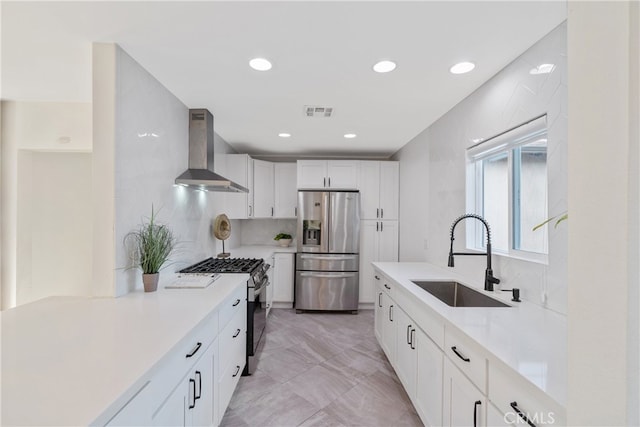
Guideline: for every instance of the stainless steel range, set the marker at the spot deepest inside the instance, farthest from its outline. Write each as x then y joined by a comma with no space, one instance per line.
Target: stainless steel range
257,283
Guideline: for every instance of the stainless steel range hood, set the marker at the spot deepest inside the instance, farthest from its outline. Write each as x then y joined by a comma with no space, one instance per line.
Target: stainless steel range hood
200,173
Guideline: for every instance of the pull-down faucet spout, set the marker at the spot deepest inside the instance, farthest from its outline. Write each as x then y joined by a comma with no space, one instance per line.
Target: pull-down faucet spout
489,280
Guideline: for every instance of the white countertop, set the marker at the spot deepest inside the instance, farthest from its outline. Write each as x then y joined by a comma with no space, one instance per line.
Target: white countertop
261,251
528,338
72,361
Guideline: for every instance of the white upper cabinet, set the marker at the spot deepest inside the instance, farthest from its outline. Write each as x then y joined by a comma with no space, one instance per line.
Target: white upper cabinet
286,191
379,184
328,174
239,168
378,243
263,194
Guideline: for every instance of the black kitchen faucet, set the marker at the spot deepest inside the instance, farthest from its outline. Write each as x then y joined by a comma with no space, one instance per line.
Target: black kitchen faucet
489,280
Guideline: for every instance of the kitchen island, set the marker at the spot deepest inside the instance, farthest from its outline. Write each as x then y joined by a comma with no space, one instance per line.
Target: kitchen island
79,361
501,352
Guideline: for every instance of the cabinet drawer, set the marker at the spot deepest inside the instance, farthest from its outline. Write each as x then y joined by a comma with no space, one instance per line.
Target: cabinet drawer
467,356
385,284
176,363
230,376
236,302
232,338
507,387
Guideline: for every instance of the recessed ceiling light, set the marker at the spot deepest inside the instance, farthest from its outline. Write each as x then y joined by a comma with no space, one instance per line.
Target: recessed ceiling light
284,135
462,67
384,66
260,64
350,135
543,69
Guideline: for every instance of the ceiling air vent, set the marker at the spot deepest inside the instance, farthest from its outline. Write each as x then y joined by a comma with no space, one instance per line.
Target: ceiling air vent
317,111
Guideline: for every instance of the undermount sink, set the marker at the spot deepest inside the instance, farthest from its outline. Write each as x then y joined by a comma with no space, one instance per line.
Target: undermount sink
458,295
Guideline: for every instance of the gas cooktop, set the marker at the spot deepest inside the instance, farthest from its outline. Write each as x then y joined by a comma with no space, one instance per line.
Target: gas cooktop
224,265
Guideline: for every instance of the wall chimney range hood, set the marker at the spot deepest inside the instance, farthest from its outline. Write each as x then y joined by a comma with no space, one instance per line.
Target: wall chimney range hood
200,174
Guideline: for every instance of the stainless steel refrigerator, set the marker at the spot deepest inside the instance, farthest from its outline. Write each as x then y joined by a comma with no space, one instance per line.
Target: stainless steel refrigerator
327,261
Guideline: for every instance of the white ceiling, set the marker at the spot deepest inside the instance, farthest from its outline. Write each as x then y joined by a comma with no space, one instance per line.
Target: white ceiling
322,54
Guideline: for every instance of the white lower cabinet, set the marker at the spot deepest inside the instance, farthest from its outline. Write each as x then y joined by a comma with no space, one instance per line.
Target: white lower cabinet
283,273
406,351
429,373
463,403
495,418
388,329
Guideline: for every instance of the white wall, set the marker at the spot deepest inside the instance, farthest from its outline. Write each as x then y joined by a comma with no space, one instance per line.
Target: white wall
603,192
34,127
432,171
262,231
54,225
146,166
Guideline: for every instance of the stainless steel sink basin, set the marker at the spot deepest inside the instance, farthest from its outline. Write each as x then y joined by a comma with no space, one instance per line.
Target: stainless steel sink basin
458,295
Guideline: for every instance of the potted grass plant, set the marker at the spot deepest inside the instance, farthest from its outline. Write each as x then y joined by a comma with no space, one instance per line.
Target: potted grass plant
283,239
152,243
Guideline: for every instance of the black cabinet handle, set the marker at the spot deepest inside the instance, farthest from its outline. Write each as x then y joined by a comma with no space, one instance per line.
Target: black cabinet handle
193,383
325,182
377,226
521,414
378,213
236,303
238,331
387,286
295,211
199,394
391,313
455,350
413,336
380,299
271,211
381,226
475,412
237,370
377,277
381,213
329,182
195,350
409,334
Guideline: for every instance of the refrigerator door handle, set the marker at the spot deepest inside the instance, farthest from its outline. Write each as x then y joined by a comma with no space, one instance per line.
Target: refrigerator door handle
328,275
328,257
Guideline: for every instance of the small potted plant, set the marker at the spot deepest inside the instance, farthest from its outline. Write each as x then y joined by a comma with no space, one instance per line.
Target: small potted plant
152,244
283,239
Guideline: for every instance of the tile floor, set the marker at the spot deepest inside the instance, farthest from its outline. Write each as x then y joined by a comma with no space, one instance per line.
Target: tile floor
321,369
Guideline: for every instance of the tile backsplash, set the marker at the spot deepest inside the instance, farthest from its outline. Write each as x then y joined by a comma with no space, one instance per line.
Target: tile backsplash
262,231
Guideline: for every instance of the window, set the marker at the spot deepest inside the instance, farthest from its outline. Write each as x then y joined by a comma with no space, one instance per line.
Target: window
507,185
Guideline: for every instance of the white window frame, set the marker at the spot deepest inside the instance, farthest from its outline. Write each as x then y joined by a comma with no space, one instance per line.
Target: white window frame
505,142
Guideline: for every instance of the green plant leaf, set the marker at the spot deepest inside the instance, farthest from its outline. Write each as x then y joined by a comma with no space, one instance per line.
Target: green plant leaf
560,218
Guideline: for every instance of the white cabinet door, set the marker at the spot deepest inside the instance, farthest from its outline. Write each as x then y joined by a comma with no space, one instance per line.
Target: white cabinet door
378,309
239,168
389,327
172,411
283,278
464,404
369,186
285,190
263,189
389,190
388,242
136,412
342,174
202,412
428,398
312,174
495,418
369,236
406,354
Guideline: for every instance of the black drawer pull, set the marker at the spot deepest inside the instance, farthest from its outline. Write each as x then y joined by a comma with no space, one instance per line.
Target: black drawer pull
195,350
377,277
409,334
514,405
387,286
455,350
199,394
475,412
193,382
413,337
237,370
391,313
380,299
237,333
236,303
